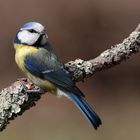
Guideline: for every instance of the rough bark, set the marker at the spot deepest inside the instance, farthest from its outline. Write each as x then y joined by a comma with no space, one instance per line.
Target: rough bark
81,69
14,100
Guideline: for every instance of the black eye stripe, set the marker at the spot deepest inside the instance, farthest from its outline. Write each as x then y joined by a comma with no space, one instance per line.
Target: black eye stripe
32,31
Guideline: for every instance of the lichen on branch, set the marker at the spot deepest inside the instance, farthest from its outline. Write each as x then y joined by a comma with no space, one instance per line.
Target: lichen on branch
81,69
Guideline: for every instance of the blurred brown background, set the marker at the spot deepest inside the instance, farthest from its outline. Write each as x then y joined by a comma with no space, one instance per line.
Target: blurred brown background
77,29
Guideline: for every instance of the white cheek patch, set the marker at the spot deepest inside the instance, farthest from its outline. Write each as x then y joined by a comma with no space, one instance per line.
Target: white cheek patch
27,37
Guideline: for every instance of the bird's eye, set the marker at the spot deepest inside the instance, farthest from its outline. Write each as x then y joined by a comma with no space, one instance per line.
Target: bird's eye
32,31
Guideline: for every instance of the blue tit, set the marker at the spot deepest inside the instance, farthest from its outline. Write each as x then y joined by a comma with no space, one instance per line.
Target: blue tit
37,60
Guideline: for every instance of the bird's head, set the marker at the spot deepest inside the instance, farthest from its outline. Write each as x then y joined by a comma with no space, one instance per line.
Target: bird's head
32,34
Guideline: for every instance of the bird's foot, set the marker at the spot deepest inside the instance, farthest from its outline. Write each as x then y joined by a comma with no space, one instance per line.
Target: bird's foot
36,91
32,88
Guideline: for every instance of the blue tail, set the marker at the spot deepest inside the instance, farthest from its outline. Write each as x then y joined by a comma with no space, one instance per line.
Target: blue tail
86,110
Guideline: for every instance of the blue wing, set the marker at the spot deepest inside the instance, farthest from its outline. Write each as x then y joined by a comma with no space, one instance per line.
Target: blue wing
46,66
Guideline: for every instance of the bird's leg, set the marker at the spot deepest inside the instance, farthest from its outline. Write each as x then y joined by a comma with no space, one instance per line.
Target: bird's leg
34,91
30,87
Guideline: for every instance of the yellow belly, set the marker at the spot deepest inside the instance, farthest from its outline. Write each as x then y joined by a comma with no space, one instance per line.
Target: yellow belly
21,52
44,84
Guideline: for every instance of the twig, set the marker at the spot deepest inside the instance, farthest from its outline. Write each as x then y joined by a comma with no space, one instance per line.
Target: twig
15,99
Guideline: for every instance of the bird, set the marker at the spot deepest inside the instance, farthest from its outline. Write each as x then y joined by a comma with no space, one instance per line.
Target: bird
37,59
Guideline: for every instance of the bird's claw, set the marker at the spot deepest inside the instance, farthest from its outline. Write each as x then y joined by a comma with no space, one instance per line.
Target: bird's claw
34,91
32,88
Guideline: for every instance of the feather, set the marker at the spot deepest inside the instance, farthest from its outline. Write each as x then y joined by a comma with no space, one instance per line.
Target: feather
46,66
85,108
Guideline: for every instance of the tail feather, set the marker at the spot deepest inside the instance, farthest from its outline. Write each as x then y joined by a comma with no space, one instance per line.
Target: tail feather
89,113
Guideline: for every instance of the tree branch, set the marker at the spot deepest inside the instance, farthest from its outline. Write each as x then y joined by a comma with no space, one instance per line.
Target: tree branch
15,99
81,69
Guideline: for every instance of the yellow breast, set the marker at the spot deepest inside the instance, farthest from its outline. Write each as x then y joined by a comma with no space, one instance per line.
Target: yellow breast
21,52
